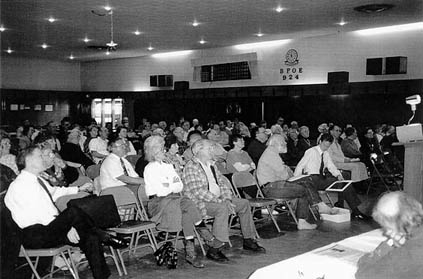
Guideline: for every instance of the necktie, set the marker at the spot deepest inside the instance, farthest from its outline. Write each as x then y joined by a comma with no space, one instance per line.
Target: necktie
322,165
125,171
47,191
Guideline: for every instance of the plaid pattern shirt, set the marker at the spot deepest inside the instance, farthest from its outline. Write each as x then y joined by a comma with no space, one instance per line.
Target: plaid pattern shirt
196,186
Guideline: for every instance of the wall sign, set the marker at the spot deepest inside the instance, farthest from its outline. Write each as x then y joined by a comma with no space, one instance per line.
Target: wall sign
291,60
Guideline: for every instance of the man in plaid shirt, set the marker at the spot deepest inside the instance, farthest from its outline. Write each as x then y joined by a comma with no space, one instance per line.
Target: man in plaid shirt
205,185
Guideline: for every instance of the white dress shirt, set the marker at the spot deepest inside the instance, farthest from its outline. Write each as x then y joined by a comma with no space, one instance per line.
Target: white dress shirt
99,145
30,204
310,163
161,179
213,186
111,169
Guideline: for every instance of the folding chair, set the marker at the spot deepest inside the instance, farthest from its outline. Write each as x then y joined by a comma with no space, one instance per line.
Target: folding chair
62,203
382,173
143,199
245,179
135,224
49,252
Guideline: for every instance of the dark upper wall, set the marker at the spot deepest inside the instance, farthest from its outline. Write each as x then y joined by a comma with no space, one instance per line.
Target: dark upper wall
364,103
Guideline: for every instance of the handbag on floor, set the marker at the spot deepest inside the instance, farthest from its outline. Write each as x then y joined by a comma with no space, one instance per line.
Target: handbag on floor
166,254
102,210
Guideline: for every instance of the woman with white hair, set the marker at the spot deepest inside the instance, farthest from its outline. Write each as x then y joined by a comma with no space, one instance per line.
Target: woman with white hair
167,207
401,218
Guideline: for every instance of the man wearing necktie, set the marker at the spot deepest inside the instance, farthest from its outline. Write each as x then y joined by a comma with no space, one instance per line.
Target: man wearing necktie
115,169
203,183
314,163
30,200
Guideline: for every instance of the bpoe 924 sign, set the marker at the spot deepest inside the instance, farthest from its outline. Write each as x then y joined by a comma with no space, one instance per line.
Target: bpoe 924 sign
291,72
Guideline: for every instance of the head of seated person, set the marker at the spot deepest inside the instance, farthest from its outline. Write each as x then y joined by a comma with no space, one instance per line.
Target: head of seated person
236,142
118,146
277,143
325,142
154,149
304,132
399,215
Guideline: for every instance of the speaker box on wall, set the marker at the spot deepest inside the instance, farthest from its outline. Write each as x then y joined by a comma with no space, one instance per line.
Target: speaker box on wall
396,65
153,81
181,85
338,78
374,66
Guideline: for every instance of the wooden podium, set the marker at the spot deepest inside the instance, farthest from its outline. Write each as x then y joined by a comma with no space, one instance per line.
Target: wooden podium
413,170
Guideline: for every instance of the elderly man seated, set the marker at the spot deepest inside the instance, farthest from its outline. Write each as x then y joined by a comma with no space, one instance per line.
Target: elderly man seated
314,163
401,218
218,135
272,174
205,185
115,169
258,144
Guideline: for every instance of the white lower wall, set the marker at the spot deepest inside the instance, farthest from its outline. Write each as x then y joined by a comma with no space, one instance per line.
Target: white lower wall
317,57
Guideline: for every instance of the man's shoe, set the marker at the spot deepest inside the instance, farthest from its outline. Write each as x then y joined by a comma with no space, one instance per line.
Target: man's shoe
194,261
252,245
360,216
216,255
115,242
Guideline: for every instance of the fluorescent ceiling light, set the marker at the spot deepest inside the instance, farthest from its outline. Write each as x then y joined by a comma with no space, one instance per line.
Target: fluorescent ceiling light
171,54
262,44
391,29
2,28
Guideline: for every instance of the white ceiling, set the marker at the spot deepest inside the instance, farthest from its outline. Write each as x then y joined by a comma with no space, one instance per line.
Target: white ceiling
166,23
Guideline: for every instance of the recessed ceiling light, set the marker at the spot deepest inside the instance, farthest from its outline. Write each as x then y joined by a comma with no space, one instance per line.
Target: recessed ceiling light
86,40
2,28
44,46
195,23
137,32
107,8
107,52
9,50
71,57
51,19
279,9
342,23
150,48
259,34
202,41
391,29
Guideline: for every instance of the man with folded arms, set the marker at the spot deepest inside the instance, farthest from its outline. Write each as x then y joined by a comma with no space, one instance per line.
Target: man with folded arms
115,169
205,185
314,163
30,200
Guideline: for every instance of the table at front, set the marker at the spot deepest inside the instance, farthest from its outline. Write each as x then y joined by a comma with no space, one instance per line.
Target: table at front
334,261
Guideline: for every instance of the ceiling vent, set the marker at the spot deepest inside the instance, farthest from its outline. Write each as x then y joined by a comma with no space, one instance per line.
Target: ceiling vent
374,8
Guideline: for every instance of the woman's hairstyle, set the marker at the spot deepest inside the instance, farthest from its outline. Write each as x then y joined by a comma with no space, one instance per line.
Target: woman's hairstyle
349,131
398,210
235,138
152,146
171,139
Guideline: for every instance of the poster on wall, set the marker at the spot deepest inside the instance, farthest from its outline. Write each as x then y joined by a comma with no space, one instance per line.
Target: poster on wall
49,108
13,107
37,107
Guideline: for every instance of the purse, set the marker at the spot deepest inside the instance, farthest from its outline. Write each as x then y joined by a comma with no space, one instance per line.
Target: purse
166,254
102,210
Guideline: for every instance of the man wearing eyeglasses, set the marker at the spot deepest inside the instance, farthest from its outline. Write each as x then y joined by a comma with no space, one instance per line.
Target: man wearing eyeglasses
115,169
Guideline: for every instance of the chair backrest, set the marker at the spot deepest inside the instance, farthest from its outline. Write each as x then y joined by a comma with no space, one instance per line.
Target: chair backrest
142,196
62,202
93,171
228,182
244,179
133,159
127,203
